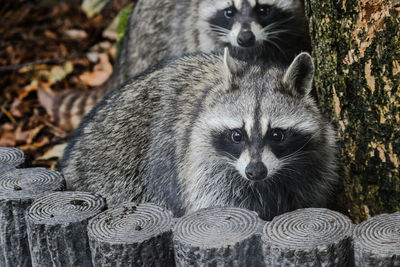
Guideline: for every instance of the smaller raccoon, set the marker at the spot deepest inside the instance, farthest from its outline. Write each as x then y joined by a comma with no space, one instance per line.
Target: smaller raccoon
262,30
206,130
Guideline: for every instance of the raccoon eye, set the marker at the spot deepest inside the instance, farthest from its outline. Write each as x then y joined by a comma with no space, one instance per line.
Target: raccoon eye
236,136
277,135
229,12
262,10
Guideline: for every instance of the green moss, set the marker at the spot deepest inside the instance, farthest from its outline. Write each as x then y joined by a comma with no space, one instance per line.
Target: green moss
123,19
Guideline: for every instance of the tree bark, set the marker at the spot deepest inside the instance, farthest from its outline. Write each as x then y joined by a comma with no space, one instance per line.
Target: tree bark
18,189
57,228
357,57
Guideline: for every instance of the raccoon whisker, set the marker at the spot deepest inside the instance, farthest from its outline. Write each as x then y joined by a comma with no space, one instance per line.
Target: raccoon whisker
294,33
215,29
256,193
220,35
219,28
272,179
271,33
288,169
260,199
229,156
278,23
220,32
306,143
276,45
295,156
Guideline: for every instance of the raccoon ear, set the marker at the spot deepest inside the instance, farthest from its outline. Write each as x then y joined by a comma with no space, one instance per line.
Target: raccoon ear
300,74
230,65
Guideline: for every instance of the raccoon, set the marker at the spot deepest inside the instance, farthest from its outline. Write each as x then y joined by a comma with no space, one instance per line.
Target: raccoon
262,30
208,130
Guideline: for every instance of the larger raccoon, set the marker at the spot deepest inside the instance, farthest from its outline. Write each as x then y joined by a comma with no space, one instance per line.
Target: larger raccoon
208,130
266,30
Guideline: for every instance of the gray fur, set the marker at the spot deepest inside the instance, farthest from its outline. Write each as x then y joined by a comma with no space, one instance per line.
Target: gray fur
152,139
160,29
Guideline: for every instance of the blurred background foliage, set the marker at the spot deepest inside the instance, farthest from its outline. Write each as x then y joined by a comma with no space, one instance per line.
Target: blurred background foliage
47,47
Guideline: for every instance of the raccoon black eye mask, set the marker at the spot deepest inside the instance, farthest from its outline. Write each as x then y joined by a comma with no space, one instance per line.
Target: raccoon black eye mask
242,134
282,143
256,26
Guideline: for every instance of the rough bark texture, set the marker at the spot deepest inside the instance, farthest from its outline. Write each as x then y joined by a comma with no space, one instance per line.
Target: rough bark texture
357,57
308,237
18,189
132,235
57,228
13,238
218,237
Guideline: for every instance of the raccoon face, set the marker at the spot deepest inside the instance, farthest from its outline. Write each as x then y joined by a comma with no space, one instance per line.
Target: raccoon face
248,23
255,157
264,124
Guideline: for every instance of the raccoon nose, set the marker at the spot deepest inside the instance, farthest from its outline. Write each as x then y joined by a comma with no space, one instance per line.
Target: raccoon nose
256,171
246,38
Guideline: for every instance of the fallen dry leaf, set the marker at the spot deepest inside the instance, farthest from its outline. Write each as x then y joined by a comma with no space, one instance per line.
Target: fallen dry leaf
76,34
92,7
27,136
19,108
20,135
93,57
7,139
58,73
38,67
7,127
8,114
46,99
32,60
100,73
35,145
33,86
55,152
50,34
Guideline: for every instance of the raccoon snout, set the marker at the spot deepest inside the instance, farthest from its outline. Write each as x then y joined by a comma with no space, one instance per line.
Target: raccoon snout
256,171
246,38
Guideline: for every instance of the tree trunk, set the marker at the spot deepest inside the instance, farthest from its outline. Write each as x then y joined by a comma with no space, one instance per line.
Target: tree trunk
356,48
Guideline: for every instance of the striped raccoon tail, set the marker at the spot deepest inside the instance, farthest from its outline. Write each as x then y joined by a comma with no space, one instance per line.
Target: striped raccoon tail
67,108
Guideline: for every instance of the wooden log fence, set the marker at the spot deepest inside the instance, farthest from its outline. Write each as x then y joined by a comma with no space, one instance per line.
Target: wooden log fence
132,235
57,226
41,225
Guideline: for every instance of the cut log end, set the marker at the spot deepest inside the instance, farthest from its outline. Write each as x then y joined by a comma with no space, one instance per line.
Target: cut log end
377,241
18,189
289,238
11,156
307,228
57,223
130,223
133,234
216,227
29,183
218,237
65,207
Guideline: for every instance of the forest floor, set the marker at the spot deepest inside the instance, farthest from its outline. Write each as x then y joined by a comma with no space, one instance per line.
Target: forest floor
51,46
